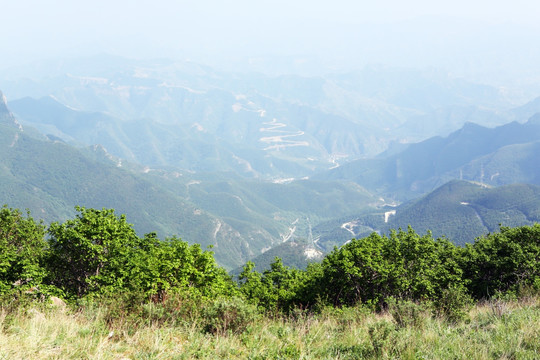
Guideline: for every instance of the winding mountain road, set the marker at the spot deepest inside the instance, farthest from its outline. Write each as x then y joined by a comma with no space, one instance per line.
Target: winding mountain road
277,142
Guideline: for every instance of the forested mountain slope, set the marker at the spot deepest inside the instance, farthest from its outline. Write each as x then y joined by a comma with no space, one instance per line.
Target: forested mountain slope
459,210
240,218
462,210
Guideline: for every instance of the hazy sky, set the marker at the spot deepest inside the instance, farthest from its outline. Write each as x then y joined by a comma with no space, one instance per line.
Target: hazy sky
423,32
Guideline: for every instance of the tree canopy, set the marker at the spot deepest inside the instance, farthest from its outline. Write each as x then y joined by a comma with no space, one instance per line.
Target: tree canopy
98,253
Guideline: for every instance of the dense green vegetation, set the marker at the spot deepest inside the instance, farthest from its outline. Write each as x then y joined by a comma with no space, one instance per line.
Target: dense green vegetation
98,253
22,247
463,211
381,288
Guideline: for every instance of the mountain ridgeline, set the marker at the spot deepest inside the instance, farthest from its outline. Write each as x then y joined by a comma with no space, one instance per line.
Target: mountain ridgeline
492,156
462,210
258,167
185,115
475,179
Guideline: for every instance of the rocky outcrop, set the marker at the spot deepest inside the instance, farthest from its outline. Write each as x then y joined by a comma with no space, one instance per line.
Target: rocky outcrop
3,104
6,117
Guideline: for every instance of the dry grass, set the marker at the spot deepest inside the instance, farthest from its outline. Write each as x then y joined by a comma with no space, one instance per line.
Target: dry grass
496,330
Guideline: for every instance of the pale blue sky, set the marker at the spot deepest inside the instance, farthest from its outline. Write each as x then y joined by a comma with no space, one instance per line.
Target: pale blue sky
341,32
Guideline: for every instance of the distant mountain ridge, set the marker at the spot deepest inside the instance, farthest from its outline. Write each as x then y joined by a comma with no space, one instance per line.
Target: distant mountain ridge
501,166
6,117
459,210
469,154
185,115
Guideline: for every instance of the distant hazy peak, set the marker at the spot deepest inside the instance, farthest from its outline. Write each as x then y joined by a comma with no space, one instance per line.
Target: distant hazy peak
534,120
469,125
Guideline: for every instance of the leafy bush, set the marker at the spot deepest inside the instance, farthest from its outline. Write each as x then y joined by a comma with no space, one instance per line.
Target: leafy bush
99,253
404,265
358,271
22,247
92,252
454,304
159,267
502,262
278,288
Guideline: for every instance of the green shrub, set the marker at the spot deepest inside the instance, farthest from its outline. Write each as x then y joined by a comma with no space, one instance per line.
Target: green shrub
407,313
503,262
91,253
228,315
160,268
22,248
403,265
99,253
280,288
454,304
380,336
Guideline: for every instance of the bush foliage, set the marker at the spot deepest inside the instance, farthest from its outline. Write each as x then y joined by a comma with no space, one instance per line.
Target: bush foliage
22,247
98,255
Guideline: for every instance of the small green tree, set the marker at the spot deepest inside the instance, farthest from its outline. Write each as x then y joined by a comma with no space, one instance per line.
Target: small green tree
358,271
504,261
278,288
22,246
403,265
422,266
92,252
159,267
